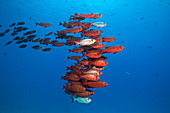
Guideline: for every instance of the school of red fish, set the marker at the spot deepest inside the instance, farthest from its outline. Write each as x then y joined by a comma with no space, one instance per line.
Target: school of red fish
86,72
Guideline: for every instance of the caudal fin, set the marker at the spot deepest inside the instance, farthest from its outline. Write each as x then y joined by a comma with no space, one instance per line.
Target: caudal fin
68,68
60,23
69,51
82,35
73,99
77,43
84,54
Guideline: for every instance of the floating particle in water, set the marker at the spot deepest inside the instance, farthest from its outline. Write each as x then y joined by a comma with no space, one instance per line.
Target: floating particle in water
5,53
129,54
127,73
157,74
149,47
112,14
168,3
126,5
123,41
106,68
156,23
127,28
136,88
30,18
0,25
141,18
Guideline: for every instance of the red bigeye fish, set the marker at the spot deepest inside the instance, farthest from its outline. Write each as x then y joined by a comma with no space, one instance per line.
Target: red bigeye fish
45,25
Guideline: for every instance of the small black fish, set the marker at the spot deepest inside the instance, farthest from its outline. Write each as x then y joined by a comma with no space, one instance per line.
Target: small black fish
2,34
23,46
16,38
0,25
22,38
36,46
8,43
20,23
14,33
25,28
141,18
6,31
13,24
18,42
18,29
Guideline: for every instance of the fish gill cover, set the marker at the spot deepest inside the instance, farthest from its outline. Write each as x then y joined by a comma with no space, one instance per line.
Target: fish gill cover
86,72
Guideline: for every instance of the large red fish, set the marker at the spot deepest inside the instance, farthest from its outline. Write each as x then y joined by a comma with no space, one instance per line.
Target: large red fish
95,84
108,39
114,49
92,55
71,30
92,33
85,93
76,88
73,23
89,76
76,50
92,15
44,24
97,45
71,77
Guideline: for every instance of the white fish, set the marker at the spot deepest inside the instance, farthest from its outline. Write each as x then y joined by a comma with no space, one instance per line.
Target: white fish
93,71
84,100
85,42
99,24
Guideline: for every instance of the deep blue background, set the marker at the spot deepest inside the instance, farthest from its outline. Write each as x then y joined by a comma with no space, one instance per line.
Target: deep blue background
30,80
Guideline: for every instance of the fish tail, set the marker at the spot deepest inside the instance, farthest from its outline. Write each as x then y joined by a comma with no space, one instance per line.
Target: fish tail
67,85
76,14
68,58
78,61
84,54
73,99
36,23
62,77
69,51
77,43
60,23
64,87
71,18
68,68
82,35
65,23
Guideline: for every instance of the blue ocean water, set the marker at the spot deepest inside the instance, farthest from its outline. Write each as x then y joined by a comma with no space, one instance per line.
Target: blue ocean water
30,80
